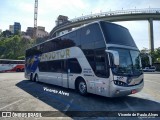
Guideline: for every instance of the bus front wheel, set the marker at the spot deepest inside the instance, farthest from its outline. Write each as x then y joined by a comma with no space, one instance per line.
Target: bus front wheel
82,87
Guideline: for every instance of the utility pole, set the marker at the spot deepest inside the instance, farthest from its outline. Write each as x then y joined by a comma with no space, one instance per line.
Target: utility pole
35,17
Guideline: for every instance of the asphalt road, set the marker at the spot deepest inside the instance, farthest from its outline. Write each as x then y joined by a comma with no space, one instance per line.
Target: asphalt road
19,94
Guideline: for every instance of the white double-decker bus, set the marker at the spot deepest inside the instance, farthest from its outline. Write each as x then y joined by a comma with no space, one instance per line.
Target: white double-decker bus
100,58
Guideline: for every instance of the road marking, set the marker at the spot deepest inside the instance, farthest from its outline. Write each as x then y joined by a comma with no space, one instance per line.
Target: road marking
68,106
152,81
131,108
11,104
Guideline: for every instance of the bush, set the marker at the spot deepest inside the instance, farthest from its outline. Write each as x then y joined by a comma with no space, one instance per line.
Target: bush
21,58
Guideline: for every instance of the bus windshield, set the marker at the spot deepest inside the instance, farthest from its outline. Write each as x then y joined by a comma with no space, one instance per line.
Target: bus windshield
116,34
129,62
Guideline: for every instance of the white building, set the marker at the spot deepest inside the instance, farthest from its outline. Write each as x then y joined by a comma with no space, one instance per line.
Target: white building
11,28
41,32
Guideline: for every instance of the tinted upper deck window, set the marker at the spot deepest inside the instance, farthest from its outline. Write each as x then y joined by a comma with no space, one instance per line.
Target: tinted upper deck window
116,34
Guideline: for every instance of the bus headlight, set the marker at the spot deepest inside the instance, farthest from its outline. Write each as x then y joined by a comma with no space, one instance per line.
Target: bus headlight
120,83
129,80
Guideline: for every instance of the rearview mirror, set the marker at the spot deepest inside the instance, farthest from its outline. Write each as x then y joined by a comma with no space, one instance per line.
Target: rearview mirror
115,56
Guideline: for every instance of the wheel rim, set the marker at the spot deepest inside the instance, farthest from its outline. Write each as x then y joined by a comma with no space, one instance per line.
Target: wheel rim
36,78
82,87
31,77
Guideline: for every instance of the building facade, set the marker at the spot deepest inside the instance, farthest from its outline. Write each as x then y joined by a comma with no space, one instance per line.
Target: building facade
36,33
30,32
61,19
15,28
40,33
11,28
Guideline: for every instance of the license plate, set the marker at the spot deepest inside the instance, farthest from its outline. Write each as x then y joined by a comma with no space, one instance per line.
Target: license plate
134,91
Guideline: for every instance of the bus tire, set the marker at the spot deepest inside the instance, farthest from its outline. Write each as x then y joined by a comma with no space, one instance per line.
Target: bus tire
18,70
31,77
22,70
36,78
82,87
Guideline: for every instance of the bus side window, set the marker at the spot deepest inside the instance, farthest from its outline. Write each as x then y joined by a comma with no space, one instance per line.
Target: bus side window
64,66
91,58
43,67
99,40
101,64
6,62
54,66
74,66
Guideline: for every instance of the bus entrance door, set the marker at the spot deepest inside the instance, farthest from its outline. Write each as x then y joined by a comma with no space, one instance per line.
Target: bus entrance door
65,80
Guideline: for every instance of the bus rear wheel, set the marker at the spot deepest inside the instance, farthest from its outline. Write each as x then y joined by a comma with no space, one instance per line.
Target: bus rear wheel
82,87
36,78
31,77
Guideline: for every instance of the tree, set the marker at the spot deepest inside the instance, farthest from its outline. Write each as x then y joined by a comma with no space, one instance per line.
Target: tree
155,55
14,47
144,57
6,33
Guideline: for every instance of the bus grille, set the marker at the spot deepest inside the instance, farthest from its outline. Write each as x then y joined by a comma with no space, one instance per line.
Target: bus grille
120,83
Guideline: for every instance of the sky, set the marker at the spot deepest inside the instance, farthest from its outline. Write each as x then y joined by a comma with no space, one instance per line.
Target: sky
48,10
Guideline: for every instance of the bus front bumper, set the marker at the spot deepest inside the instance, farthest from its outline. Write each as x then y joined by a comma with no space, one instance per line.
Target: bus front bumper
117,91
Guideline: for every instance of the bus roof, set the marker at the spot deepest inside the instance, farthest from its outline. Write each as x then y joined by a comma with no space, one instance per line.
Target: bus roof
10,60
64,34
74,30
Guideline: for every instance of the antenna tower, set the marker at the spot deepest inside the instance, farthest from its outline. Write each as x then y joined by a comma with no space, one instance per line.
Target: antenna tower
35,13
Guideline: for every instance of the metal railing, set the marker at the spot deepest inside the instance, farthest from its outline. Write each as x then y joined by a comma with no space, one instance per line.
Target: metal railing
108,14
117,12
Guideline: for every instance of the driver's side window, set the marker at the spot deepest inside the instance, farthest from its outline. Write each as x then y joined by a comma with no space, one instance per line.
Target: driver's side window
101,64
